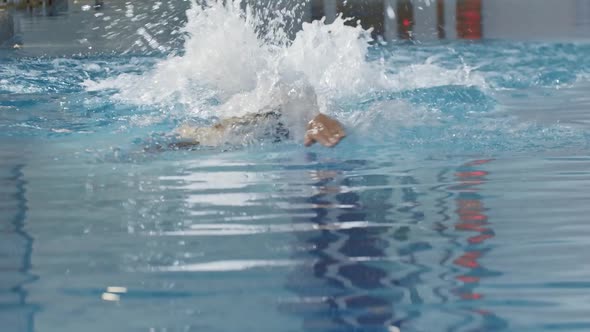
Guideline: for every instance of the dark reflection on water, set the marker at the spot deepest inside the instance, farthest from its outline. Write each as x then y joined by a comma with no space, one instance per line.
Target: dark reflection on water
350,286
346,283
16,247
372,278
412,247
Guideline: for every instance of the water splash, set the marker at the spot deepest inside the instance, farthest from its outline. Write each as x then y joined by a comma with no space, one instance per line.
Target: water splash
236,57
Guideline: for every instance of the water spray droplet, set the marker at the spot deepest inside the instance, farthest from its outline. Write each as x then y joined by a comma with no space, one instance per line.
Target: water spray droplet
390,13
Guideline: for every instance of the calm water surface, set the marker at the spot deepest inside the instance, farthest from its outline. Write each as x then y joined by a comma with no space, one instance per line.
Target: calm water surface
458,202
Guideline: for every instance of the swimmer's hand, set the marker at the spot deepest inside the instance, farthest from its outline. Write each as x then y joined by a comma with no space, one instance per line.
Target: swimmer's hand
324,130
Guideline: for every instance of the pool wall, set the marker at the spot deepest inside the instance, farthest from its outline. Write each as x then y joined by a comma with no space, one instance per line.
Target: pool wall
109,25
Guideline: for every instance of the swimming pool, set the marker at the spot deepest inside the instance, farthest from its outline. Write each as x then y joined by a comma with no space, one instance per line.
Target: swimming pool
458,202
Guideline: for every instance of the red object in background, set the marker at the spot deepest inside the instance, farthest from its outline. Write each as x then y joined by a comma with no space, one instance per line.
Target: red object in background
468,260
469,19
471,227
405,19
467,279
471,174
471,296
472,218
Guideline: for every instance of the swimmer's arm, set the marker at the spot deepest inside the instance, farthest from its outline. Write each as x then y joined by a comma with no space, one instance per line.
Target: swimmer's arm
321,129
324,130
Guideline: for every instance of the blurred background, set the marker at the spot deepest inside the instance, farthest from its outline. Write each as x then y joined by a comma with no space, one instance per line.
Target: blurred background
45,26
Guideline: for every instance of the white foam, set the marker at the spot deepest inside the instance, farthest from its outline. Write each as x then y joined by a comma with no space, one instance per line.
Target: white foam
230,265
245,61
427,75
11,87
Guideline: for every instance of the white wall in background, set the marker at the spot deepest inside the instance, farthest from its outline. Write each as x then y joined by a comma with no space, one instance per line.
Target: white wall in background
450,19
425,19
531,19
583,17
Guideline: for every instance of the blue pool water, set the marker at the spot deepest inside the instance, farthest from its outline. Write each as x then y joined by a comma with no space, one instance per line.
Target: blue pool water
458,201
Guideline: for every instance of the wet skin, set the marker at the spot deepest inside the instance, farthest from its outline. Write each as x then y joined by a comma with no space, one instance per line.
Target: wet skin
324,130
321,129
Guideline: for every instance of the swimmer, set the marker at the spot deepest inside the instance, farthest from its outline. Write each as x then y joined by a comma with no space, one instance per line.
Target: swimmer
293,114
322,129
